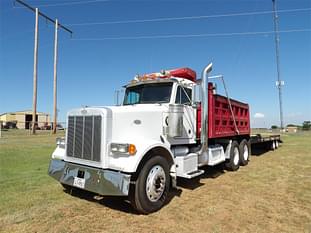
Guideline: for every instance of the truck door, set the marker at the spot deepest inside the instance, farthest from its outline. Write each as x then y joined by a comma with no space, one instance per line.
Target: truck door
183,96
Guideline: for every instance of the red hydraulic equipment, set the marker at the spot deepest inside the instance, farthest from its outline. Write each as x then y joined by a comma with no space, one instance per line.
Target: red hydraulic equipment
185,73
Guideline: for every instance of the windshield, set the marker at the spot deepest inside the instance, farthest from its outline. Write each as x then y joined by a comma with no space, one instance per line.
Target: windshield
148,93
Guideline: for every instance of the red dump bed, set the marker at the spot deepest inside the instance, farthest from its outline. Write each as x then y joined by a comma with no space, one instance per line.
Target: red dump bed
220,121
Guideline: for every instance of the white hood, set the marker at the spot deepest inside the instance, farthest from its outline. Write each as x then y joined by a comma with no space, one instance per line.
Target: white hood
131,121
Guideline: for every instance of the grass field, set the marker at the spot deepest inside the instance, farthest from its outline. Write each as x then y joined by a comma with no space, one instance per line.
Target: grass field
271,194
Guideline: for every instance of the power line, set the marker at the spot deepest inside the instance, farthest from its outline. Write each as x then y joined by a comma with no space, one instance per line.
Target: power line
191,35
43,15
189,17
70,3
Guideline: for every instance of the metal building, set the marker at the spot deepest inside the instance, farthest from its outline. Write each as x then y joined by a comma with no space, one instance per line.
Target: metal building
23,119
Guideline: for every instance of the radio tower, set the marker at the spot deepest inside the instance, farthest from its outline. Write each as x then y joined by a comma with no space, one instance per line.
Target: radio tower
279,83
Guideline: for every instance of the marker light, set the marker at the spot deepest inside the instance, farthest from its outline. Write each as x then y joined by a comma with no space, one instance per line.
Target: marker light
132,149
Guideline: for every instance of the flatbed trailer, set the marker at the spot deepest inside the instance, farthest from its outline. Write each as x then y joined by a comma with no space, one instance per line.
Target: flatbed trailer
258,138
268,141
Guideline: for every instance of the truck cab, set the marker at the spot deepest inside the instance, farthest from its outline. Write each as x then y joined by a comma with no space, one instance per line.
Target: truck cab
138,149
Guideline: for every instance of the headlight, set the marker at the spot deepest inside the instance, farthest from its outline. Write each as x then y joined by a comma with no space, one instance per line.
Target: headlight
60,142
123,148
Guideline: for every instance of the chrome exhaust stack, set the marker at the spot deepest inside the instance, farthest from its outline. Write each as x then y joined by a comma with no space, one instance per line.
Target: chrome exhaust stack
204,108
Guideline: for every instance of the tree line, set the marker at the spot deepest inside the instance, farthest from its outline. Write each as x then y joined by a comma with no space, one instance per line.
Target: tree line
306,125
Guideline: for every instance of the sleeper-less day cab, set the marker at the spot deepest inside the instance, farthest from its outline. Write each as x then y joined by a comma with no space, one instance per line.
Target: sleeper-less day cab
169,126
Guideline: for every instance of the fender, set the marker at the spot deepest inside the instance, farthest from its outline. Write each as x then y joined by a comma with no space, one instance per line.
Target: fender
168,155
155,147
130,164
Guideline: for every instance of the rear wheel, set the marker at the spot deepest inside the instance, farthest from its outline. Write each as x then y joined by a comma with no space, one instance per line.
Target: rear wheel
244,152
233,162
152,186
273,147
276,144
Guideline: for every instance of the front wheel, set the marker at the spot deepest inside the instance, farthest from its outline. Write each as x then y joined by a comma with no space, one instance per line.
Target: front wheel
152,186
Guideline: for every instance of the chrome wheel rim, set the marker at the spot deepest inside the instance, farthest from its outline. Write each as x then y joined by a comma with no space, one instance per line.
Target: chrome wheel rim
155,183
245,153
236,156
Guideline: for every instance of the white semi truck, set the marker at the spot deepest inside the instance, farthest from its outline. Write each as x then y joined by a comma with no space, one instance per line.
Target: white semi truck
170,125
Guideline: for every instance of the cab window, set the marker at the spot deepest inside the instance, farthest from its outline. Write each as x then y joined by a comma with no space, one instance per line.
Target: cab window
183,95
148,93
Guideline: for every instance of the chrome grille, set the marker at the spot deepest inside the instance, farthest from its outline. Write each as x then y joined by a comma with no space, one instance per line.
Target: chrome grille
84,137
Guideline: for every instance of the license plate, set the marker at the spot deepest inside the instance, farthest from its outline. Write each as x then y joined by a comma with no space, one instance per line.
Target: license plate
79,182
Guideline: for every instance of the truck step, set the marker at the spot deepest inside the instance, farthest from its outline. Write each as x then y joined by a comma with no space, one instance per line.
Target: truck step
193,174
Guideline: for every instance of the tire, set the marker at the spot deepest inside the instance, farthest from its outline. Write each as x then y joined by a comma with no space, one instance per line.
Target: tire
244,148
152,186
276,144
272,145
233,163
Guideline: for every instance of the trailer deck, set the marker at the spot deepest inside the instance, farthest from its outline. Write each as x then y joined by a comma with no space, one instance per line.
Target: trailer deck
258,138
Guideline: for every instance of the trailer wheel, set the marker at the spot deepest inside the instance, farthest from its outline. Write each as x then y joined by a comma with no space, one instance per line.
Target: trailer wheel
276,144
152,186
272,146
244,152
233,163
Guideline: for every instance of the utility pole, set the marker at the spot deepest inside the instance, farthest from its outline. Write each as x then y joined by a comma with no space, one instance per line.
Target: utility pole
57,25
279,82
55,77
35,74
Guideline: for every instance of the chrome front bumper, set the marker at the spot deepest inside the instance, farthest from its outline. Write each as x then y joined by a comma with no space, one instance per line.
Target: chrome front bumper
104,182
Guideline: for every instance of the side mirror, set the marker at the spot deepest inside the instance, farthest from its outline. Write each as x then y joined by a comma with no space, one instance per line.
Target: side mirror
196,95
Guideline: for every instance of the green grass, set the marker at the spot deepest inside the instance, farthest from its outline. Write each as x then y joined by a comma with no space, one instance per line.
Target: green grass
271,194
23,170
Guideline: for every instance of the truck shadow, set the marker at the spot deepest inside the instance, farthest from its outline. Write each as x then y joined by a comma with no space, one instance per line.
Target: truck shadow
122,203
209,172
259,150
117,203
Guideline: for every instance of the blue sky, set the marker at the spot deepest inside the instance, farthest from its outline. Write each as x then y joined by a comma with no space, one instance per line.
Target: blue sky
90,71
